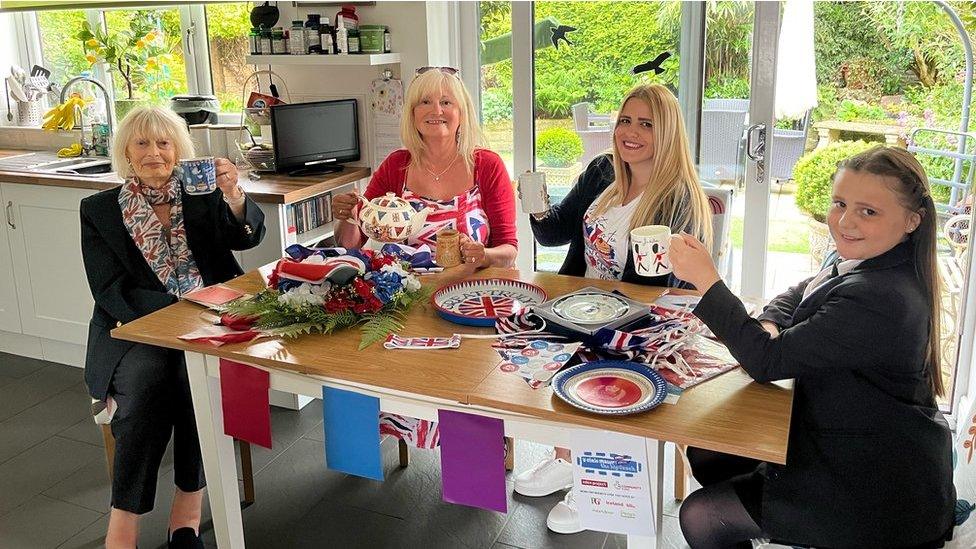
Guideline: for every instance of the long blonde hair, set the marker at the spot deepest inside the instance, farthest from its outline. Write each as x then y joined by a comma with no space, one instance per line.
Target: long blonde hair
435,83
912,187
673,196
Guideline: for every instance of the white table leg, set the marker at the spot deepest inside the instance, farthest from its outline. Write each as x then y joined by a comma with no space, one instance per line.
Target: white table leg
219,461
655,470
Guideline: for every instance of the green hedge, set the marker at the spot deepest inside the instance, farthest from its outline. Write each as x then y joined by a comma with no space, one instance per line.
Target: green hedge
558,147
813,173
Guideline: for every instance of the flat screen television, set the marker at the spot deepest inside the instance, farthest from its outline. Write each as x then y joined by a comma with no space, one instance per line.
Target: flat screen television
311,138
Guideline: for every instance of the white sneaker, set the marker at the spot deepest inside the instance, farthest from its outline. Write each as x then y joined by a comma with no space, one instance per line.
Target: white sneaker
546,477
564,517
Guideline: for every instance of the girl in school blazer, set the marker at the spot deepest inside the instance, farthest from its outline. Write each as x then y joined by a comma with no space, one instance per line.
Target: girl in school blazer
869,461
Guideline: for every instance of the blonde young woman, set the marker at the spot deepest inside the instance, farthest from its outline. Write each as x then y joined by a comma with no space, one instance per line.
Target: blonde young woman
649,179
443,167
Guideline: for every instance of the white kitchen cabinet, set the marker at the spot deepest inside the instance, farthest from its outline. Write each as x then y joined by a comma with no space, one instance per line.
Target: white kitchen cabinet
9,311
45,248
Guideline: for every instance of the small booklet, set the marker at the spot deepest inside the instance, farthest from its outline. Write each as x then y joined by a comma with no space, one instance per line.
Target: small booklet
214,297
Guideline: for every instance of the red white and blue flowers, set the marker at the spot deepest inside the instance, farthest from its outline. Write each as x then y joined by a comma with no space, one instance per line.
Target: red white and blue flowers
321,290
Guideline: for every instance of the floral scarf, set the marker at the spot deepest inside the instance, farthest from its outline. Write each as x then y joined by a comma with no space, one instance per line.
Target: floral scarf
167,253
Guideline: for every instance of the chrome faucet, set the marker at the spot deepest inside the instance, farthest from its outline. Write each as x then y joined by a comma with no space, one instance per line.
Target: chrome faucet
85,148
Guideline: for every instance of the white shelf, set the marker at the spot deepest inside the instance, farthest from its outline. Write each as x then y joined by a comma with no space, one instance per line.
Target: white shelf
356,60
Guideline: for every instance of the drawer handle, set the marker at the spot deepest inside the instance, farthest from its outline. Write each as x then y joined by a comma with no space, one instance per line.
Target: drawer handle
10,217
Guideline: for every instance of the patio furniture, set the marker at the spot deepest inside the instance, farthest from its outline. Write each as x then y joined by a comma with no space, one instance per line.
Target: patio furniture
723,122
788,146
829,131
595,130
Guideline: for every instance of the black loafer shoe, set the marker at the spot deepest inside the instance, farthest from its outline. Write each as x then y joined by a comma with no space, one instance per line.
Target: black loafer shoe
185,538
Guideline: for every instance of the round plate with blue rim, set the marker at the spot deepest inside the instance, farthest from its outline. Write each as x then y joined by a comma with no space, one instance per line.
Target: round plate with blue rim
611,387
479,301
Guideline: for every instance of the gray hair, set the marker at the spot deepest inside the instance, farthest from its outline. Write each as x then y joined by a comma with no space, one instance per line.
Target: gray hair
149,123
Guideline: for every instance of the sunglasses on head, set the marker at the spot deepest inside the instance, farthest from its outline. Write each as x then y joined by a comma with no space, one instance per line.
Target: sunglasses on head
445,70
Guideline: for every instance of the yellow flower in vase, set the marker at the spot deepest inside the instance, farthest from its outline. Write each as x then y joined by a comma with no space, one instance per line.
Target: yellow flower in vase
92,43
140,43
150,36
91,59
151,64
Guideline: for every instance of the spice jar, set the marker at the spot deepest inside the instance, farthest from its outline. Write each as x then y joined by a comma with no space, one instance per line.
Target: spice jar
278,41
297,41
312,29
265,41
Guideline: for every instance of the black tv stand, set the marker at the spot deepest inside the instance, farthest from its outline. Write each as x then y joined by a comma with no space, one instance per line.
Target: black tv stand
315,170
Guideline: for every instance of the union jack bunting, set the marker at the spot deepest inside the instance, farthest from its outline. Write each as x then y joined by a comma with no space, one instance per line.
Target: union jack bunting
420,433
394,341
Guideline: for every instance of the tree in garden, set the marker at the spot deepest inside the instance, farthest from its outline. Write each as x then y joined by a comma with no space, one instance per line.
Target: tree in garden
137,53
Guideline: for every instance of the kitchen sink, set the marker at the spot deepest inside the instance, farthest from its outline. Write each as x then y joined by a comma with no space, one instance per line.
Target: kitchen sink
48,162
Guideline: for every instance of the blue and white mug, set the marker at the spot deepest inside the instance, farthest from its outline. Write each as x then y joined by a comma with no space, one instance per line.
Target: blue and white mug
199,175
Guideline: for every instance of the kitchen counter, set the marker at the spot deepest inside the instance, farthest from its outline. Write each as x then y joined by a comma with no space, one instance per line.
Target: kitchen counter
270,189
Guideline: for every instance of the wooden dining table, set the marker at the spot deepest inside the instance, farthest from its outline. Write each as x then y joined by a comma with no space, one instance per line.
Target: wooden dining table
729,413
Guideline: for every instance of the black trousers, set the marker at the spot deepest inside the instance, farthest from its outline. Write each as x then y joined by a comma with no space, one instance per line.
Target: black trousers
152,392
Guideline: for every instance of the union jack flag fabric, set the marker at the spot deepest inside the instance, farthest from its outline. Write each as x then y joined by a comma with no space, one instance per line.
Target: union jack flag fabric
166,252
420,433
394,341
463,213
669,341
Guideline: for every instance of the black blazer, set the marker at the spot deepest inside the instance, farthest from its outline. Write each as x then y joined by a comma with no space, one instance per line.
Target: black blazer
125,287
565,225
870,457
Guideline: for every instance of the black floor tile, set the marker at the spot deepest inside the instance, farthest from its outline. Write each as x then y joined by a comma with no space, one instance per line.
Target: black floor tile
43,522
88,487
527,527
85,430
17,366
42,421
287,426
41,467
92,537
36,387
6,380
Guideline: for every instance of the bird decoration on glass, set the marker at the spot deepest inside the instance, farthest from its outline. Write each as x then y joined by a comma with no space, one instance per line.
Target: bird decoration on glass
652,65
559,33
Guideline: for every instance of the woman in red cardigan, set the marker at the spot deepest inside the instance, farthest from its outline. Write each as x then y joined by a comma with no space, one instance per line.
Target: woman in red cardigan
444,167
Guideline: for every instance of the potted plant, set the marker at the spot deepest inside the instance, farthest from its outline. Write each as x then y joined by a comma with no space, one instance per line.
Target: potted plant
559,151
138,54
813,173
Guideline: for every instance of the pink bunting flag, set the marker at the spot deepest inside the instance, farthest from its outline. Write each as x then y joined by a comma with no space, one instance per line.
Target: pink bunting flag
244,400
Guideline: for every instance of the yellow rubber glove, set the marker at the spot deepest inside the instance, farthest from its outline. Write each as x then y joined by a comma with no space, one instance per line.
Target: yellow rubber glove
69,152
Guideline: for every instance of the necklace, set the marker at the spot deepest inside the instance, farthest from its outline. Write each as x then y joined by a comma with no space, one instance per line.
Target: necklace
437,176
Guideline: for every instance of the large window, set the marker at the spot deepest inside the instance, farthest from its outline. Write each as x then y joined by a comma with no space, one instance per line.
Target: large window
153,67
227,28
64,57
152,45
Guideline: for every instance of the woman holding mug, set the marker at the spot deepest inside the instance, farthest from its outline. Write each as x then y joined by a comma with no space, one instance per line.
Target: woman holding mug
145,244
649,179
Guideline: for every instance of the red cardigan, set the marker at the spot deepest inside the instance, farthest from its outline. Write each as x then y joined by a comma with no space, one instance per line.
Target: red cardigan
490,174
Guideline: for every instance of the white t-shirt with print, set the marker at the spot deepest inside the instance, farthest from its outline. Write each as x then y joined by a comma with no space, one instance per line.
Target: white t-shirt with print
606,239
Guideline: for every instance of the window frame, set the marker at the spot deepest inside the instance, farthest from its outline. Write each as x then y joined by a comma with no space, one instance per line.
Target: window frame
196,47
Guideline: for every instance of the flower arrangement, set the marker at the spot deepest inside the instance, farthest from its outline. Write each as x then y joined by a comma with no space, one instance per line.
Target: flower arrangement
139,54
328,289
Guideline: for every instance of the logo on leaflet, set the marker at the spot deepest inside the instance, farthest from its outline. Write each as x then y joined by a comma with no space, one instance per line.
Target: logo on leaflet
604,463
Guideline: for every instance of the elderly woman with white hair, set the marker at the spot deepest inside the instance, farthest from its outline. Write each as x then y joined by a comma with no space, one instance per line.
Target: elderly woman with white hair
146,243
